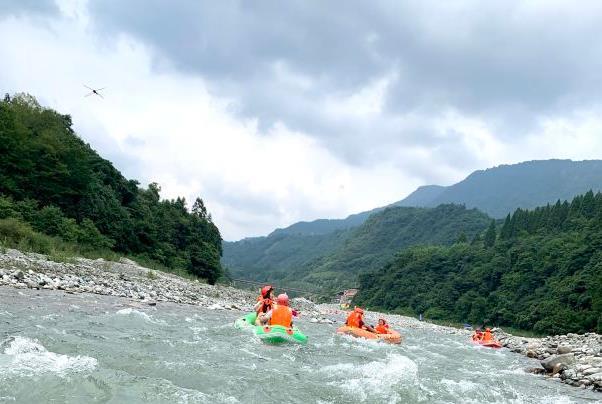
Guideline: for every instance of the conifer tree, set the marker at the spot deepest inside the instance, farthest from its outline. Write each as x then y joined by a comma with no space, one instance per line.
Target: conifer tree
490,235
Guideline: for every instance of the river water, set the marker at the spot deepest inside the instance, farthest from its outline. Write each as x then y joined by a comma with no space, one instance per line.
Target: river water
56,347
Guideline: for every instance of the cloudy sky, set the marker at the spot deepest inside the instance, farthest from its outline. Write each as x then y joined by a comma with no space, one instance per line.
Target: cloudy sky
280,111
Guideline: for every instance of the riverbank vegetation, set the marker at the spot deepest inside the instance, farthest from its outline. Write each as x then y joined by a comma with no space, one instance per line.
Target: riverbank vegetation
540,270
57,194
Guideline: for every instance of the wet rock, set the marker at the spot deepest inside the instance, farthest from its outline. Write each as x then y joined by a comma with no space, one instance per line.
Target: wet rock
536,371
564,359
559,367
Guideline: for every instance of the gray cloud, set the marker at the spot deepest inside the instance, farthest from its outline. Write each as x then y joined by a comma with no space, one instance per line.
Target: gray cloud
28,7
445,53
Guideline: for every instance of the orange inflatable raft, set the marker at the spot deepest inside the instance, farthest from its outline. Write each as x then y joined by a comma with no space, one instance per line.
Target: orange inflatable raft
392,338
489,344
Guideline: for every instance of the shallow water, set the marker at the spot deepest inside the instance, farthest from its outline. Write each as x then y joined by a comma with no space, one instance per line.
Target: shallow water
60,348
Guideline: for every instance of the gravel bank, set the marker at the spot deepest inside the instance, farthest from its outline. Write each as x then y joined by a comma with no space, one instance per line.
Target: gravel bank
124,279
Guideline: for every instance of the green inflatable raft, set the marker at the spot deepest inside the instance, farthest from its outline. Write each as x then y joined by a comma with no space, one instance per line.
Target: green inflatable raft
272,334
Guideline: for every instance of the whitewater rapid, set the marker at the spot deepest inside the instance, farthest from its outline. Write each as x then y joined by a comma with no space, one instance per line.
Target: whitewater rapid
56,347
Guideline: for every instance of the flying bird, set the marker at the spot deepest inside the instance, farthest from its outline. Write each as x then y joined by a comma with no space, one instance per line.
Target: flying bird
94,91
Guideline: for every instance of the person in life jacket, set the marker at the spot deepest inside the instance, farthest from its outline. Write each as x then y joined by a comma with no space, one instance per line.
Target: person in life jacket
477,335
264,304
281,314
487,336
356,319
382,327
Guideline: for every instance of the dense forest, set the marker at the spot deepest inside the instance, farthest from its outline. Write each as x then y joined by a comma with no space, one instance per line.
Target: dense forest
339,256
540,270
53,186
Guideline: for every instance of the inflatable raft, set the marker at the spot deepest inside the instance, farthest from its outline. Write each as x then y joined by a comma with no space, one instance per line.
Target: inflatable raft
272,334
392,338
488,344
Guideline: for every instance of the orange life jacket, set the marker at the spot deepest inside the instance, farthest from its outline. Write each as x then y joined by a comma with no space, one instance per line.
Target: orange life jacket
382,329
354,320
487,336
281,315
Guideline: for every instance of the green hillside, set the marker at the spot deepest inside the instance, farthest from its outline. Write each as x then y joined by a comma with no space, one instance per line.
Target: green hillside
542,271
57,193
335,259
275,257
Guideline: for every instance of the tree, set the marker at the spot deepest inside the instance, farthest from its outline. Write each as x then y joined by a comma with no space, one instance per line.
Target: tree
490,235
199,209
204,262
462,238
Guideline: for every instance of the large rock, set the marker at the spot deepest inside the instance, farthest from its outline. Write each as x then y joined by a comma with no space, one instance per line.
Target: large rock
564,349
564,359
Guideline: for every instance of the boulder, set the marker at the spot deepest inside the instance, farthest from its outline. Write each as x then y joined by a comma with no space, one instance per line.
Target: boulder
559,367
591,371
564,349
564,359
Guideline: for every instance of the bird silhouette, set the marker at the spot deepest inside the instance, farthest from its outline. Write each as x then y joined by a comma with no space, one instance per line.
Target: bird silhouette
94,91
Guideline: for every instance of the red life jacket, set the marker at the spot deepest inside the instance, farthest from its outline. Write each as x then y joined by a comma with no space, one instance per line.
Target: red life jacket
382,329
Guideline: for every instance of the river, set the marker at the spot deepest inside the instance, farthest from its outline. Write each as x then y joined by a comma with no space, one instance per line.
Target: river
82,348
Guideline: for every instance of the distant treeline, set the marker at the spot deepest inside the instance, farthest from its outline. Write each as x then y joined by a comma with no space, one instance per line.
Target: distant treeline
53,183
540,270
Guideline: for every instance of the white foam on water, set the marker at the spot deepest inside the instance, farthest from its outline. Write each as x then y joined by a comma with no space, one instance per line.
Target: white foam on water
27,357
461,387
140,314
374,379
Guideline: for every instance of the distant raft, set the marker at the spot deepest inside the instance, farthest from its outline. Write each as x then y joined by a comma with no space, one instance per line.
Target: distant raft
393,337
489,344
271,334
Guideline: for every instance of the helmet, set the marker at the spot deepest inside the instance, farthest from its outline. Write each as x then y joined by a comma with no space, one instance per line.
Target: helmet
282,299
358,310
488,329
265,291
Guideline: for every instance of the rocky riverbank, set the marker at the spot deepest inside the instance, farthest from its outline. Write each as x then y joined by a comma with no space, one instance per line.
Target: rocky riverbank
572,359
124,279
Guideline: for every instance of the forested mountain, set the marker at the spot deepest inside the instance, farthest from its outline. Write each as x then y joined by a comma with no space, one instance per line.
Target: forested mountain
422,196
496,191
336,258
500,190
51,182
540,270
279,255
